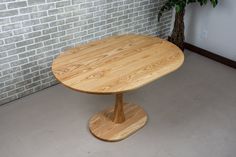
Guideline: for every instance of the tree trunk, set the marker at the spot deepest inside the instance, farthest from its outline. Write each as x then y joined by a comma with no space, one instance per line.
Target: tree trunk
177,36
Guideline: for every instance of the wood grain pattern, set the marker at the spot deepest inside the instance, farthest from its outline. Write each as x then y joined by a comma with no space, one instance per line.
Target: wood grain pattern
102,126
116,64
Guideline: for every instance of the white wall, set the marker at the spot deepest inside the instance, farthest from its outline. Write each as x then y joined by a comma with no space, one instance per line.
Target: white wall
213,29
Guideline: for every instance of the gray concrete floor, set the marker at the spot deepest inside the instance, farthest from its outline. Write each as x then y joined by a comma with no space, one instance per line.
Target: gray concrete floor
192,113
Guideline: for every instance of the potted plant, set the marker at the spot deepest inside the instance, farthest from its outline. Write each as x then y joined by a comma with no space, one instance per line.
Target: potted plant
177,35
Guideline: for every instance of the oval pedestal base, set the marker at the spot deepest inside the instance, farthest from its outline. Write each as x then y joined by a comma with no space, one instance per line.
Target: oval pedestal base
102,126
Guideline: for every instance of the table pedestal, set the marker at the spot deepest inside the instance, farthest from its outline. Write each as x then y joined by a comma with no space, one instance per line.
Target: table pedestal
117,123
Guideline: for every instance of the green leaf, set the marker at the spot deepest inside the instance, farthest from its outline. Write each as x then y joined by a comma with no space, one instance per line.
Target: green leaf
214,3
180,5
177,8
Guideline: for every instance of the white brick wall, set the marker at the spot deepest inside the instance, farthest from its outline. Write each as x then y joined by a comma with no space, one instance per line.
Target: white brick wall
33,32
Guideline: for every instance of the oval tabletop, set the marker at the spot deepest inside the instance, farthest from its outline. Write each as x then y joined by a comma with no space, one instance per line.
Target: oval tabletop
116,64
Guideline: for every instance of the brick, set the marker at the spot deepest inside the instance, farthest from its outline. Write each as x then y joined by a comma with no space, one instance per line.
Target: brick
57,23
30,22
58,34
5,78
50,31
50,53
11,70
105,17
55,11
38,14
3,54
7,47
53,82
11,26
117,23
25,42
47,6
7,88
99,3
72,19
44,49
79,34
18,62
32,85
46,70
22,30
44,60
21,73
59,45
65,27
65,48
99,23
36,57
111,10
99,34
3,6
8,99
16,51
35,68
73,30
13,39
4,95
15,91
37,78
4,21
31,75
25,93
22,83
93,9
106,6
40,27
79,12
42,38
4,14
106,26
34,46
86,27
74,2
16,5
86,5
111,20
88,37
34,2
29,65
12,81
49,1
67,37
20,18
63,16
28,9
26,54
47,80
93,30
50,42
32,35
48,19
62,4
87,16
71,8
116,4
4,66
79,23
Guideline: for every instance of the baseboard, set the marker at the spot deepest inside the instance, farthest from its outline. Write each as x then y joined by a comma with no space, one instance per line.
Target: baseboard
210,55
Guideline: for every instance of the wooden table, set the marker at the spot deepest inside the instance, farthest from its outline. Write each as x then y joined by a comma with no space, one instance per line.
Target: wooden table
115,65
